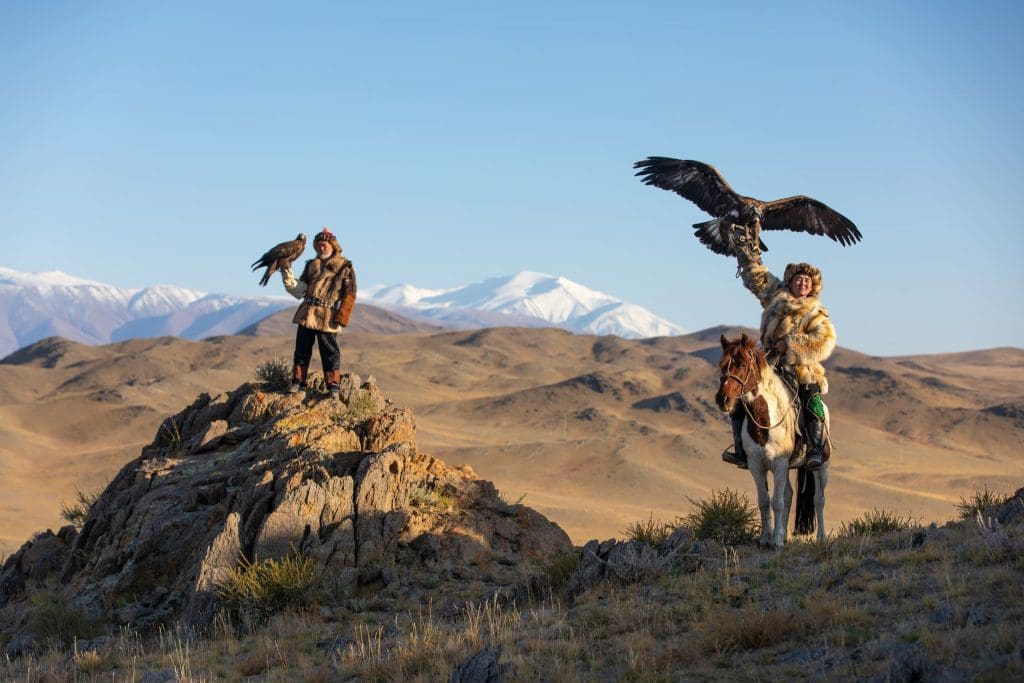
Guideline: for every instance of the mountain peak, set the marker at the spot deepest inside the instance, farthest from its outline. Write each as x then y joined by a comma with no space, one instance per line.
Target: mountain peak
532,296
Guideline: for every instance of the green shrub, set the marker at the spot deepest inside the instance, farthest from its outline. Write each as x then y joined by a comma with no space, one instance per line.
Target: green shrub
653,532
257,590
727,517
76,513
560,568
423,495
52,619
968,508
275,375
361,406
875,523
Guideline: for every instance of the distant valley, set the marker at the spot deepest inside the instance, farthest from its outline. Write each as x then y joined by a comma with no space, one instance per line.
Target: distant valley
595,431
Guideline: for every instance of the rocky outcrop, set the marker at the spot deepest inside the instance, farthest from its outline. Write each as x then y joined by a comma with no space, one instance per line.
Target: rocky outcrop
250,475
632,561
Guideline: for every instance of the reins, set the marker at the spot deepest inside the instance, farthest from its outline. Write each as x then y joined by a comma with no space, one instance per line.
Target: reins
751,365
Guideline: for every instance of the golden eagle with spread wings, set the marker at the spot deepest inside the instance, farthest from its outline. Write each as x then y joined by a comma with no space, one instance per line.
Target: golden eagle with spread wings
704,186
279,257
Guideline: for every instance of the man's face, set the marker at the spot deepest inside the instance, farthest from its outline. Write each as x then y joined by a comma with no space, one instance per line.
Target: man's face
324,249
800,285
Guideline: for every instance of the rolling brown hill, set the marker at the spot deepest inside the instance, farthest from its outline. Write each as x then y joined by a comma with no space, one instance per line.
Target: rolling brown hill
366,319
596,432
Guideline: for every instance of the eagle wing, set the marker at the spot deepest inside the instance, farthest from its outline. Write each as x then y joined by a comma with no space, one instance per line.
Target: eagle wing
278,256
804,214
694,180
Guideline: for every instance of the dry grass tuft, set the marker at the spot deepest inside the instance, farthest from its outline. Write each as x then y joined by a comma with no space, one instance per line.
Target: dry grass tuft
979,502
875,523
53,620
75,513
727,517
254,591
652,532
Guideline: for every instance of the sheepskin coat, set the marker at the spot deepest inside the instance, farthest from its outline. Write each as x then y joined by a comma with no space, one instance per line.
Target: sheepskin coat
802,322
321,287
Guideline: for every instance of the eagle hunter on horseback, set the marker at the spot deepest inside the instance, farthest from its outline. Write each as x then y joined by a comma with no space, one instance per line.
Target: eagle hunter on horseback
765,390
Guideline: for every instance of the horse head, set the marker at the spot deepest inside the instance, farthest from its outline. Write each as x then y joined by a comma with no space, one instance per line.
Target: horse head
741,366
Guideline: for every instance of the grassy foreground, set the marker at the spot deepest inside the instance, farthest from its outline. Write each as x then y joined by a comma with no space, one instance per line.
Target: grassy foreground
883,599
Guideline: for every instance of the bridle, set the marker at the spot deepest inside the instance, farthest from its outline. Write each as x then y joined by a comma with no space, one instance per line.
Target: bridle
752,370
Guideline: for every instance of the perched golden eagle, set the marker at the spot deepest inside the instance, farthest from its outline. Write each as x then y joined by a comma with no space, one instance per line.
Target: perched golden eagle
704,186
280,256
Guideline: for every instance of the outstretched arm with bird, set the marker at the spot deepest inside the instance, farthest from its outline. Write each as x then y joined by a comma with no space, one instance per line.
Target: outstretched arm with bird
279,257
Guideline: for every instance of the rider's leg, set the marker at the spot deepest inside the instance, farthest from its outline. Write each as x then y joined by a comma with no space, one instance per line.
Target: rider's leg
814,424
739,457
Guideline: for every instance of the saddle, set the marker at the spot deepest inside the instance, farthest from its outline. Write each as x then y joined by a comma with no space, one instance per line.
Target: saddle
788,375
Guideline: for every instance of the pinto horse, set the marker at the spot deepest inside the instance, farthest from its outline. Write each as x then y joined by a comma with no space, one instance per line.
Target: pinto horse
770,440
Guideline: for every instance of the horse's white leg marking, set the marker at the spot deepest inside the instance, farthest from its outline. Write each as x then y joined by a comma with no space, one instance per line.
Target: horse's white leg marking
757,471
780,477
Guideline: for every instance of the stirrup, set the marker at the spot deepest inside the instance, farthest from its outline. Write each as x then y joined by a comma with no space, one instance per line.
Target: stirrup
731,458
814,461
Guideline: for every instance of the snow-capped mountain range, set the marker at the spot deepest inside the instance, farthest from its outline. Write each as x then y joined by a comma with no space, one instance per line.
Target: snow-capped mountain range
38,305
526,298
34,306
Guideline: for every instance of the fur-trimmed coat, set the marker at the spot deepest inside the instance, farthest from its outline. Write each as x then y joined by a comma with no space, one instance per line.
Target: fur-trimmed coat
802,322
321,287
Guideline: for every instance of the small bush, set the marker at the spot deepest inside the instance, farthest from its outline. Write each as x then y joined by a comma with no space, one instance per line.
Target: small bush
653,532
969,508
361,407
257,590
728,517
875,523
52,619
560,569
89,662
423,495
275,375
76,513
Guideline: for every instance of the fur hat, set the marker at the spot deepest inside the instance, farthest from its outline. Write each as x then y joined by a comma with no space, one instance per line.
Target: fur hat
327,235
794,269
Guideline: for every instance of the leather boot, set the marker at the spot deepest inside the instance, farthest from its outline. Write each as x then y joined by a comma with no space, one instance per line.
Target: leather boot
814,427
333,380
815,432
738,456
299,373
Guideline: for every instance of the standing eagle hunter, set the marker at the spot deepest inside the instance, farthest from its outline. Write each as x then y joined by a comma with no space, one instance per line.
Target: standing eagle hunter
704,186
279,257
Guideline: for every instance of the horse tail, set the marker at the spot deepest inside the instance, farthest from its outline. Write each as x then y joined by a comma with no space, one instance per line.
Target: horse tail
805,489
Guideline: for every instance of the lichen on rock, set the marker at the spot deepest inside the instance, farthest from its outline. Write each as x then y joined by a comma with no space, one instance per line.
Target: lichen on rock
249,475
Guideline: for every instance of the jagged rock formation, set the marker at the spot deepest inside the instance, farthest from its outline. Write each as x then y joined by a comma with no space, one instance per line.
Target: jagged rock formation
254,474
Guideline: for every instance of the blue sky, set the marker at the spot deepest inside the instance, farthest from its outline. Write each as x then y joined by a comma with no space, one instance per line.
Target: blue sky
145,143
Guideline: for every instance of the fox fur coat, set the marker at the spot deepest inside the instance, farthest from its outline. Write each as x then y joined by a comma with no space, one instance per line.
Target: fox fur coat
321,287
803,323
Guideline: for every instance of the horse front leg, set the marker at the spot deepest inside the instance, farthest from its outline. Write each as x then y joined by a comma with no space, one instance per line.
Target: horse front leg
780,475
763,501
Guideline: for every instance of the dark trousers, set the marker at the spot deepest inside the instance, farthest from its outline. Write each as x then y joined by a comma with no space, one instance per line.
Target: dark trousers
330,354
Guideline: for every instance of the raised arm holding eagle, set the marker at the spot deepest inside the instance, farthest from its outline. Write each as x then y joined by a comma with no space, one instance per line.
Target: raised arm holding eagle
796,331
